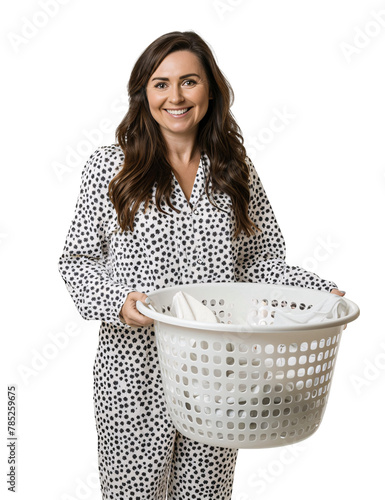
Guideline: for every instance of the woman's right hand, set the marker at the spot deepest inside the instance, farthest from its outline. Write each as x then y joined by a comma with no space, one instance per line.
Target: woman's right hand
130,314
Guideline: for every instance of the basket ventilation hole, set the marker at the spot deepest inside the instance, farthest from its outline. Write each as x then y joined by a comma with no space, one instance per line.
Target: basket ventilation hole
268,375
302,360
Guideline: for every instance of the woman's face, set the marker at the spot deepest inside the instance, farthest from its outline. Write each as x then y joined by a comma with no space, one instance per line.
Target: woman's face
178,94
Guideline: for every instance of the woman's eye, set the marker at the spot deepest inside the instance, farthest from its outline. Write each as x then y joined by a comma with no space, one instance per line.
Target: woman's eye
157,85
191,82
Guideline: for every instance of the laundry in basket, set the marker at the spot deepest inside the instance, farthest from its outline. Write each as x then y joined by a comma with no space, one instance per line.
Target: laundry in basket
331,307
184,306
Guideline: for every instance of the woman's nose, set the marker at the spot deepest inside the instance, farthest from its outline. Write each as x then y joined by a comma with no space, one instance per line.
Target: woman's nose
176,94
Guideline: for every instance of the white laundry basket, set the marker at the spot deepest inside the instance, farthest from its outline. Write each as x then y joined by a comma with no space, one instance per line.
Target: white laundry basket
232,385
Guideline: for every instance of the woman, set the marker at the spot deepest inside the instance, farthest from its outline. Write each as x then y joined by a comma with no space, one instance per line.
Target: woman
176,201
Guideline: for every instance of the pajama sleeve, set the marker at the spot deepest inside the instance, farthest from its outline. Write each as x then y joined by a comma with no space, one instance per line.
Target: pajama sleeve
261,257
83,264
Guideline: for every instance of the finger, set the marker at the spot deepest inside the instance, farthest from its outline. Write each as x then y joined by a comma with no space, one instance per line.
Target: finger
341,293
134,296
131,322
134,324
135,316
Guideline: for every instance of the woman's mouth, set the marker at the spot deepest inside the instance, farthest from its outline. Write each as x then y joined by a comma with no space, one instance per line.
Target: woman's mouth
178,112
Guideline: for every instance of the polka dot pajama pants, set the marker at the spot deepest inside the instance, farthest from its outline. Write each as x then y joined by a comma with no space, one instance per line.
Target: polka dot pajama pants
141,454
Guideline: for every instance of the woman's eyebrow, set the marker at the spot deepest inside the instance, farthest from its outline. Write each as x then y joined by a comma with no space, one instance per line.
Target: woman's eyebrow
180,78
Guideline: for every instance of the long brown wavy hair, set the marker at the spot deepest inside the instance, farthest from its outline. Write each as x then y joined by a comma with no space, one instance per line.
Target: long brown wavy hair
145,150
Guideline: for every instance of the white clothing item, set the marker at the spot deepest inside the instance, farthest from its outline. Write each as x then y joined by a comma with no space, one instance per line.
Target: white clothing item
331,307
185,306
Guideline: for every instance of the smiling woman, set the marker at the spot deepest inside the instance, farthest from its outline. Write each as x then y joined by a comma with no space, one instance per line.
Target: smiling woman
175,201
178,103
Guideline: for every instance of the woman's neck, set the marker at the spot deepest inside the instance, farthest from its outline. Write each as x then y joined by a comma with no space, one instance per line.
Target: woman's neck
182,151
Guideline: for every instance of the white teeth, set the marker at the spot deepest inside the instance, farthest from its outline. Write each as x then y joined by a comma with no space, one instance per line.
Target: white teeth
177,112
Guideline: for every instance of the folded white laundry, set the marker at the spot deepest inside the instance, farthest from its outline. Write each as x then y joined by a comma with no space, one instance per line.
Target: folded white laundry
332,307
185,306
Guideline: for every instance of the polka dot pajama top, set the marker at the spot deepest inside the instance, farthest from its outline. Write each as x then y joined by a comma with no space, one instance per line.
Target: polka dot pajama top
140,453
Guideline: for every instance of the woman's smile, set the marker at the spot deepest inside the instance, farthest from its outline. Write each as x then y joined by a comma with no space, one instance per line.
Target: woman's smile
178,112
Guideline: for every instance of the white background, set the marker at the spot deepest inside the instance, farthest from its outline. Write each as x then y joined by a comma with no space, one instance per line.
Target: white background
64,89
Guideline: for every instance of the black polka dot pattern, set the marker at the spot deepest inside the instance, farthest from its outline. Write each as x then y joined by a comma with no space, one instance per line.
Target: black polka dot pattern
141,455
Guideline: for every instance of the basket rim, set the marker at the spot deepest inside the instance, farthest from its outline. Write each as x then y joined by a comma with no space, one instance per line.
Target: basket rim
353,313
